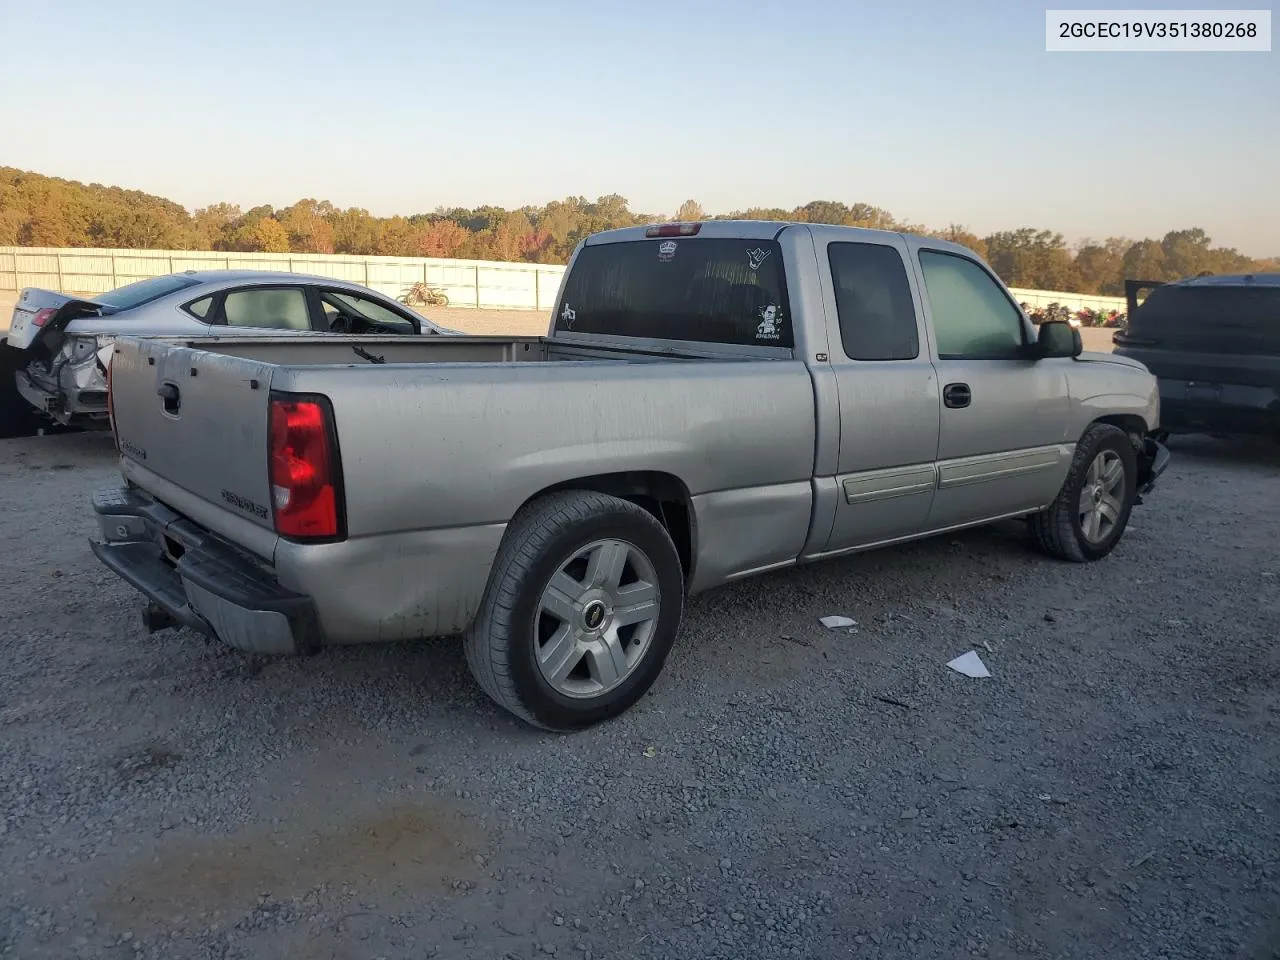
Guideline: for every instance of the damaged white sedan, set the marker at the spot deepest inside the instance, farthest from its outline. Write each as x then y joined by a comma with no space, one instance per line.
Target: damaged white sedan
59,346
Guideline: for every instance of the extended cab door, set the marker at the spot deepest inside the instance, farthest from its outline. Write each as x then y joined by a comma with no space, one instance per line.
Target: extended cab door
1002,444
888,390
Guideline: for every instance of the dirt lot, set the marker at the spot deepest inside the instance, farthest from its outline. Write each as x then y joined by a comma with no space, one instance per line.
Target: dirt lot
786,791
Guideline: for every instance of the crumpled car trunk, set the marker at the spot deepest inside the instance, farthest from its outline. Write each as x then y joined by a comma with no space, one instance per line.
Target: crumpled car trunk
35,359
49,341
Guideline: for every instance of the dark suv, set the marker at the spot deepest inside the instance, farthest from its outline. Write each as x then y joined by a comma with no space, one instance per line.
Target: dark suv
1213,343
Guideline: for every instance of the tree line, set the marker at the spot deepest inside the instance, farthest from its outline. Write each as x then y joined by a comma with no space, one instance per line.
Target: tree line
42,211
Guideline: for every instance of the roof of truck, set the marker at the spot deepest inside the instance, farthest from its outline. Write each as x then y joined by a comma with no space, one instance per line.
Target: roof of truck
766,230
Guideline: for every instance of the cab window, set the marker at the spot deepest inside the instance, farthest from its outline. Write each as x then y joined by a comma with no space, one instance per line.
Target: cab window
973,319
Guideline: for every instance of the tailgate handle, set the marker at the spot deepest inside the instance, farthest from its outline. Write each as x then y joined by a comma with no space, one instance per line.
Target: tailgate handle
171,397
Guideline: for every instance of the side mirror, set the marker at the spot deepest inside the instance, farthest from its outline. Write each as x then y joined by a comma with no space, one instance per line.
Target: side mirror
1057,338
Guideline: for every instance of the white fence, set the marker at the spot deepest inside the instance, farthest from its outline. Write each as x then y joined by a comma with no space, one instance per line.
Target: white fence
469,283
1076,301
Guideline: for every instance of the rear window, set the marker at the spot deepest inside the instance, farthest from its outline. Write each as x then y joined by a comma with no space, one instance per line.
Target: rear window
1220,319
680,288
143,291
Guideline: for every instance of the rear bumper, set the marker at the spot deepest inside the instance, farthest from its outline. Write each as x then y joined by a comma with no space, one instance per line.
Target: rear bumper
71,403
195,580
1188,406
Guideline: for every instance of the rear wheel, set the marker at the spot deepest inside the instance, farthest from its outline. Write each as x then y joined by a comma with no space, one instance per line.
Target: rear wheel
1091,511
582,608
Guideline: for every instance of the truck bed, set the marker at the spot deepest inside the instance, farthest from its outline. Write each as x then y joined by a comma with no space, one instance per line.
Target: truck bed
340,350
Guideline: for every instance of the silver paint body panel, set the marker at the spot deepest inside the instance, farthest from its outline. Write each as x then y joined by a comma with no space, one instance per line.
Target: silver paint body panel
783,455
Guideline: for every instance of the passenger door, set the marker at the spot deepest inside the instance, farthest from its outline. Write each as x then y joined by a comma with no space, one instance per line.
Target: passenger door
1002,444
888,392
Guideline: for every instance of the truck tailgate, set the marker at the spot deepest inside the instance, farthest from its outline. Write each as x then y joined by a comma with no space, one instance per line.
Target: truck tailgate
197,420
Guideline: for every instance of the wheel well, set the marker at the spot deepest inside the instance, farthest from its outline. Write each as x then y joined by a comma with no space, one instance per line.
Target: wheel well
1130,423
662,494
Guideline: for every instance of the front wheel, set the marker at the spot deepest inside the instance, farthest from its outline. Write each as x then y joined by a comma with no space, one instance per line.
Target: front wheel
1091,511
582,608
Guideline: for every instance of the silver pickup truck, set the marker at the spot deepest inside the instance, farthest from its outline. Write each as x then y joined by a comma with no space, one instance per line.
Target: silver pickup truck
712,401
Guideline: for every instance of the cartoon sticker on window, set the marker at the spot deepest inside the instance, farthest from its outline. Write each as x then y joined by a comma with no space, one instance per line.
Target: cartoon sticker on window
770,326
756,257
568,315
667,251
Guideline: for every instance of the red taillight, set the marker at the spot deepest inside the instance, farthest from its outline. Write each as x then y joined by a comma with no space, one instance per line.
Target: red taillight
673,230
42,316
304,470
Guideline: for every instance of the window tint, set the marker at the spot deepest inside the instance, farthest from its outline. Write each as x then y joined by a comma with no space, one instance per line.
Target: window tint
972,318
143,291
201,307
279,308
679,288
873,301
370,310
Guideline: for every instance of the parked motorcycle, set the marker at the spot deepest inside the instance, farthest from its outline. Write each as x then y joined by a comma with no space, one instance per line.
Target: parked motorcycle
424,294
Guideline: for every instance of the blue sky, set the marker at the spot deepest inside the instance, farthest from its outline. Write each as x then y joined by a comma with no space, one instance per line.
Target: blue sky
938,111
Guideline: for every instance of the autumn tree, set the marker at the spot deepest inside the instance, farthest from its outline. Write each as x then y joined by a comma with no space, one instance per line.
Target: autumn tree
1145,260
397,237
354,231
1030,258
690,211
308,226
210,225
38,210
11,224
441,238
1100,266
269,236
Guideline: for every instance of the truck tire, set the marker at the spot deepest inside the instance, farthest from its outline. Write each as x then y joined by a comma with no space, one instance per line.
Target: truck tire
1088,517
582,607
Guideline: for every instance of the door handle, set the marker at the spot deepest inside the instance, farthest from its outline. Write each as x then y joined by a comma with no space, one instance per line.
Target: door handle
170,397
956,395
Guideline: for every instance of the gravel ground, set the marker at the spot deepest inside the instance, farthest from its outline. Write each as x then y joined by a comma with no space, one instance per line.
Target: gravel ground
785,791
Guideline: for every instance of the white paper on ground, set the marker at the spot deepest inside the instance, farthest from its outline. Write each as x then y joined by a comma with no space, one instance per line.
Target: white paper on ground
970,664
836,622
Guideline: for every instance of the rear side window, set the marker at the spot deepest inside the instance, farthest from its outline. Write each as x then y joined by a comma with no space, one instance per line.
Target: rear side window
873,301
710,290
280,308
1213,319
201,307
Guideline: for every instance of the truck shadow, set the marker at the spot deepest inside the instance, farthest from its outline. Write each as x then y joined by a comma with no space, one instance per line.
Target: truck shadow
1242,451
743,637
